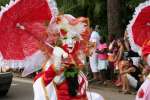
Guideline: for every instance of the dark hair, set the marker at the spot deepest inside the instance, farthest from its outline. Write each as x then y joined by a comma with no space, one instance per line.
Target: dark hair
121,40
111,37
130,60
103,39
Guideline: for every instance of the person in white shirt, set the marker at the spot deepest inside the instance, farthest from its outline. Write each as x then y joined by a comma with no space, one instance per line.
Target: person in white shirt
94,40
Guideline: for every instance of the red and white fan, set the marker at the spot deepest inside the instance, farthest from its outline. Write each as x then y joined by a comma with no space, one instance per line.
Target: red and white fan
139,29
23,27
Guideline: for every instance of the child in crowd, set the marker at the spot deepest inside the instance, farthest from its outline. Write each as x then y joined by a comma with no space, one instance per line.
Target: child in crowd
102,58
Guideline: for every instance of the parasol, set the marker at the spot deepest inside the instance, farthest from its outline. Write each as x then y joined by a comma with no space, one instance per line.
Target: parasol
23,23
139,29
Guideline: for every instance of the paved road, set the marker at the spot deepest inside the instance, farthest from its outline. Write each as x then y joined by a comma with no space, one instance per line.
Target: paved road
22,90
112,94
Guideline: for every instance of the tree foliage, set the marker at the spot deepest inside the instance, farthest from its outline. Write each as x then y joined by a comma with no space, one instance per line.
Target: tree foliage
96,10
3,2
129,9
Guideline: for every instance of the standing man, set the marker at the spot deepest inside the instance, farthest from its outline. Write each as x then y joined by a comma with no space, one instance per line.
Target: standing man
94,40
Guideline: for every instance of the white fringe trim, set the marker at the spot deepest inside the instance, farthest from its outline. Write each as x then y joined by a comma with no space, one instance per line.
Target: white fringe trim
138,9
52,5
7,7
30,63
54,9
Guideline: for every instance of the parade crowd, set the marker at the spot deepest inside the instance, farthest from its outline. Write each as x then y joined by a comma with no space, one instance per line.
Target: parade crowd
114,60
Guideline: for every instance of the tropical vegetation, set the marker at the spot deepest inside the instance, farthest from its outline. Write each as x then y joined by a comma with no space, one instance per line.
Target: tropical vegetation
111,15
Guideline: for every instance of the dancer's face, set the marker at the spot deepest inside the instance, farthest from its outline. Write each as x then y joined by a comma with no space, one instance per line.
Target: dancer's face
70,41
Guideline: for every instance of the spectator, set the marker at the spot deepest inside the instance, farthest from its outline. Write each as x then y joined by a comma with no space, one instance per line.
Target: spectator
146,72
119,58
111,54
131,76
120,52
130,53
94,41
102,58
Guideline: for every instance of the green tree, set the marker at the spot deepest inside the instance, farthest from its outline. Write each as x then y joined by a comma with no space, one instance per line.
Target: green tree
95,10
128,10
3,2
111,15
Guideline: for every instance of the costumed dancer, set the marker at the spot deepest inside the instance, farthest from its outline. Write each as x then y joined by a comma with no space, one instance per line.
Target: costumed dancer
63,79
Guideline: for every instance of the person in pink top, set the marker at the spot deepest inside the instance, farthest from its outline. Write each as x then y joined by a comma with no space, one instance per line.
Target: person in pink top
102,58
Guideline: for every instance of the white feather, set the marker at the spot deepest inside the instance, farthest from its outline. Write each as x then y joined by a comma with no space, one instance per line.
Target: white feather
53,7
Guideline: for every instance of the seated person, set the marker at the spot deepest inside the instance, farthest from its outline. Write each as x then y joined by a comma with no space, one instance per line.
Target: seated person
146,71
131,76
